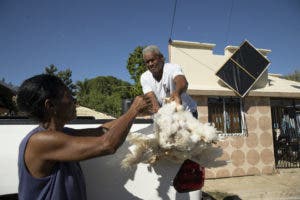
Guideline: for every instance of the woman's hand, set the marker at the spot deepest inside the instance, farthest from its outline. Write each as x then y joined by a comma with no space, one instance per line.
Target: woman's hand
141,104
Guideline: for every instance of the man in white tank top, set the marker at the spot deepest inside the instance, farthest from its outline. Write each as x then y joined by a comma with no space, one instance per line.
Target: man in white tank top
165,80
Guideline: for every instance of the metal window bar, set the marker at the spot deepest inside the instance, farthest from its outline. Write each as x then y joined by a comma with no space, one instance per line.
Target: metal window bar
243,121
215,110
224,117
227,115
285,134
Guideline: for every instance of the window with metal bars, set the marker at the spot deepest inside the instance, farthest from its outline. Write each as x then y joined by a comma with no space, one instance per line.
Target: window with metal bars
286,116
226,114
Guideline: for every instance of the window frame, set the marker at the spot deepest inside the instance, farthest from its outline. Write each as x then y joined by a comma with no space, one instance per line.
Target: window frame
241,116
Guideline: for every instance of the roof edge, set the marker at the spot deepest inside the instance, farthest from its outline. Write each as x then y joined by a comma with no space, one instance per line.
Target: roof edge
233,48
252,93
192,44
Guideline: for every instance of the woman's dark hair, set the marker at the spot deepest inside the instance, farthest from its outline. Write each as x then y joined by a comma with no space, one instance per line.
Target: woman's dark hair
34,91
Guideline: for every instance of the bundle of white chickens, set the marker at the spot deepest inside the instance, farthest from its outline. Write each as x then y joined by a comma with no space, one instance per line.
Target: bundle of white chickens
176,135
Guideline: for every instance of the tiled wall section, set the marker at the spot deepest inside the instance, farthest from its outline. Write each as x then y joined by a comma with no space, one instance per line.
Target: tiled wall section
246,155
202,108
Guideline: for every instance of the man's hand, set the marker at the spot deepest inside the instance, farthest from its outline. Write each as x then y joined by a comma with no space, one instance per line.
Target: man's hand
181,85
175,96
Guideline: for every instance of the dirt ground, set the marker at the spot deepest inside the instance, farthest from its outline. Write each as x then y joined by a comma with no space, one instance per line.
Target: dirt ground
282,185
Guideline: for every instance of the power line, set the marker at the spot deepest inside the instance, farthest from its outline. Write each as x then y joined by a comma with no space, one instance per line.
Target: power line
229,22
227,35
205,65
173,20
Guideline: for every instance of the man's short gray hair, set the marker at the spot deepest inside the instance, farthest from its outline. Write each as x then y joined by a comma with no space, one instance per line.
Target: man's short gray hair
152,49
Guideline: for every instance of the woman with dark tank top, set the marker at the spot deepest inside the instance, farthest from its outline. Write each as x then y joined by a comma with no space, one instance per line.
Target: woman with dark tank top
49,155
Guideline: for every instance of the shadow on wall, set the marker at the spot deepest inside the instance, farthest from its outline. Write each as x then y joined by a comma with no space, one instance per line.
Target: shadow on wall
295,86
167,170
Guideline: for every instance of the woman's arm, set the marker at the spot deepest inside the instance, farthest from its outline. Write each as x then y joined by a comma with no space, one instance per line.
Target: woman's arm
154,102
58,146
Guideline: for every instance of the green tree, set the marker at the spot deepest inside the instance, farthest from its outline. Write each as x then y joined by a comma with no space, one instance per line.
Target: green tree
295,76
82,87
64,75
52,70
8,92
103,94
135,67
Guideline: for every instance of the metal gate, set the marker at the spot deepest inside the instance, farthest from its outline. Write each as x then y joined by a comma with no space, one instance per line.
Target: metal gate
286,132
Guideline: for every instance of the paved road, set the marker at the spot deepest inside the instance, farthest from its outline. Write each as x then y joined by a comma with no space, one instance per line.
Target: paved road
284,185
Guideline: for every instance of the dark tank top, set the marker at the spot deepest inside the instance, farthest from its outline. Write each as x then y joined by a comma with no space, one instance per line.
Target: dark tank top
66,182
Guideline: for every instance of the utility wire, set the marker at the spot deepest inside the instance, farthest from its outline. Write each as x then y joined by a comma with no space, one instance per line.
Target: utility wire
205,65
173,20
229,21
227,34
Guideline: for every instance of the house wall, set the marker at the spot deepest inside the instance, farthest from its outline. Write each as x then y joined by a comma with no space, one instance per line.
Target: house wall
246,155
196,60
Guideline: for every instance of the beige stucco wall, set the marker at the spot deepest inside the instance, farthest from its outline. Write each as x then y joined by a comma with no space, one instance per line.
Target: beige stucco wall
246,155
198,62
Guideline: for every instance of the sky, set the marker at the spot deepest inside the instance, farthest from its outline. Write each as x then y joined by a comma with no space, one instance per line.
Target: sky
95,37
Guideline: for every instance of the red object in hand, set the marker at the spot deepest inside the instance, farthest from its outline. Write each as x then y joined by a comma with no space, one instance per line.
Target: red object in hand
190,177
